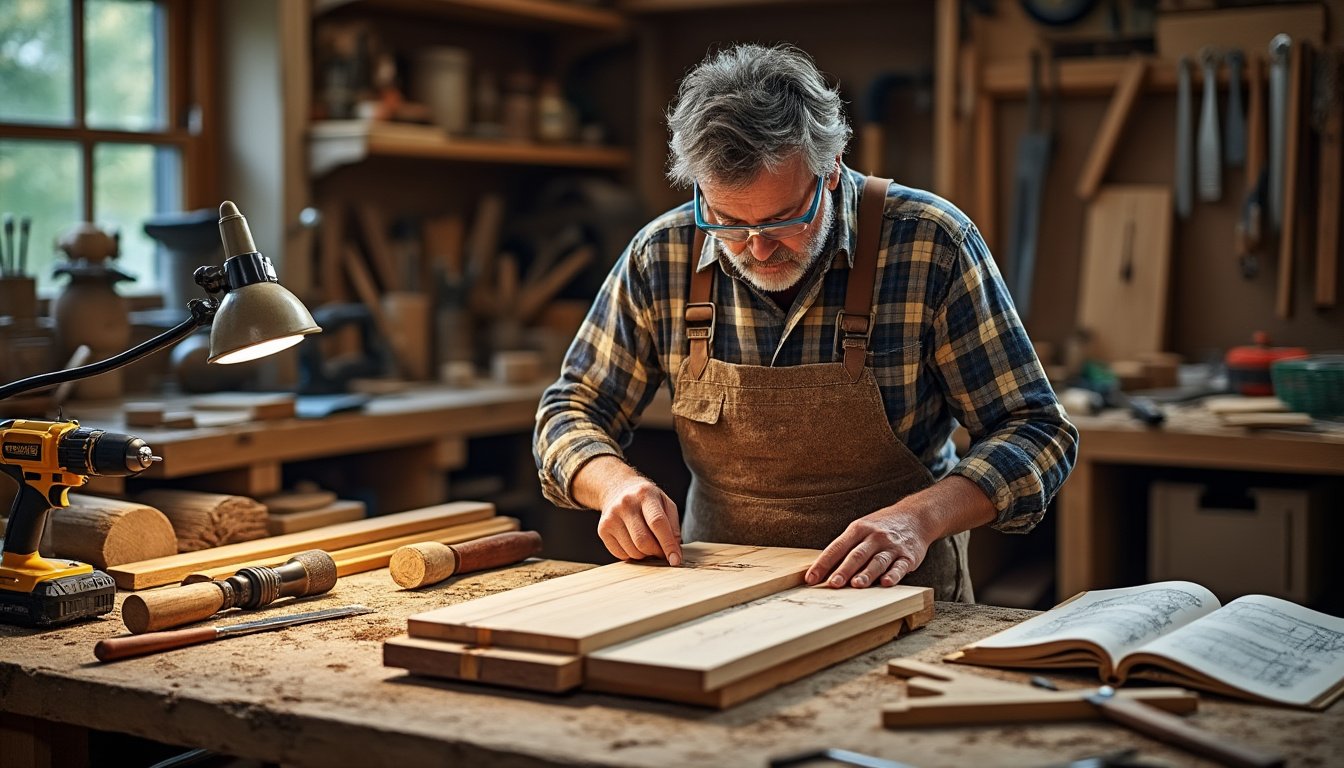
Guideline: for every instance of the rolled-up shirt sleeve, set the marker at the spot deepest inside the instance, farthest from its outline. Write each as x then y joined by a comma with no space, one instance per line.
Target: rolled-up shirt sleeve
1022,444
610,374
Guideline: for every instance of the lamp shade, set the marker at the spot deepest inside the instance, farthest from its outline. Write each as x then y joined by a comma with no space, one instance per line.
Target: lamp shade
258,320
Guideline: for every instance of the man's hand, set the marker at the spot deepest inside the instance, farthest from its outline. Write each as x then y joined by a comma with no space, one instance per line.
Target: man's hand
638,520
878,548
883,547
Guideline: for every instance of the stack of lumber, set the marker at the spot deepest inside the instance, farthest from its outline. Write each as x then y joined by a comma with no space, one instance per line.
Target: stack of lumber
1255,412
305,510
731,623
357,546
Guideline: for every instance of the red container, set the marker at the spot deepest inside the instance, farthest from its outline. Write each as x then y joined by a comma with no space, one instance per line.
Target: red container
1248,367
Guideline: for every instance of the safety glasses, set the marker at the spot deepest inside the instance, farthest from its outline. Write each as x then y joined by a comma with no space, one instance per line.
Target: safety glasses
775,231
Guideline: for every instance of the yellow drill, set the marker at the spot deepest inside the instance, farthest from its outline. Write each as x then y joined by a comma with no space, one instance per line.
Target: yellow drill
47,459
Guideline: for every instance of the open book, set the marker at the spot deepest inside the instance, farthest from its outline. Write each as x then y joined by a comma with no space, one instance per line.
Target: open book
1255,647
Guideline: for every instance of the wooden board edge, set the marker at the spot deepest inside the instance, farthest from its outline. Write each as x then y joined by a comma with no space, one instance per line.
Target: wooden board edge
527,670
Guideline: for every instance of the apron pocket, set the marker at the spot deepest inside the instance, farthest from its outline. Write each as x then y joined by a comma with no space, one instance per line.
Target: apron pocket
700,410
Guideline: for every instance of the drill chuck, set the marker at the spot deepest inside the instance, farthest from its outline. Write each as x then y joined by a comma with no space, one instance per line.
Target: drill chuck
110,454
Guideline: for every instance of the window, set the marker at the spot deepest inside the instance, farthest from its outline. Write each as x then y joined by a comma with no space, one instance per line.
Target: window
101,121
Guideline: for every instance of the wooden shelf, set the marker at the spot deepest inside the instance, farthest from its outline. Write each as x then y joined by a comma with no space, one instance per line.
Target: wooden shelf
1086,77
523,13
334,143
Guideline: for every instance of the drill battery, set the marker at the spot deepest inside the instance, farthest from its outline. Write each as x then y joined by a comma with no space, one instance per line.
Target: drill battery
58,601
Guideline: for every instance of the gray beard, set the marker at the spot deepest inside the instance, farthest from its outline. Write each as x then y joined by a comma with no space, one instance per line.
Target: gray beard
804,260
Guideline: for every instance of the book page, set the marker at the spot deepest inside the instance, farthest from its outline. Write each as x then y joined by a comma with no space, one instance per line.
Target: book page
1118,620
1264,645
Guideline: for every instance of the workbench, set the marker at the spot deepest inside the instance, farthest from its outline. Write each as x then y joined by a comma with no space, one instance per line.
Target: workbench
318,695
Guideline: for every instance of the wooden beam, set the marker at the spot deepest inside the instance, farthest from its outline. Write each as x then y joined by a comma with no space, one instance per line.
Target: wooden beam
1112,125
945,97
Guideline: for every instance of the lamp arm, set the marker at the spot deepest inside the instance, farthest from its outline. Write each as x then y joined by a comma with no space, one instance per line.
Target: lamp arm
202,313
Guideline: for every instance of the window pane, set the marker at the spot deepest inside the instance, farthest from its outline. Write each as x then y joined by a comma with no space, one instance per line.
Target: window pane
125,65
35,62
131,182
42,180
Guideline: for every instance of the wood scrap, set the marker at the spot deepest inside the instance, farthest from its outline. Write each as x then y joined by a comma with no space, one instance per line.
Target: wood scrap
342,511
590,610
166,570
1266,420
375,554
510,667
298,501
535,295
205,520
1242,404
260,406
105,532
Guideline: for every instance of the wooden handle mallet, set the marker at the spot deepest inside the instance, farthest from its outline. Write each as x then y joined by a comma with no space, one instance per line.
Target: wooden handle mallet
419,565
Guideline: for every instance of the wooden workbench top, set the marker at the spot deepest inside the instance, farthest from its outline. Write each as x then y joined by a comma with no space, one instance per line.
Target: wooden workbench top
319,695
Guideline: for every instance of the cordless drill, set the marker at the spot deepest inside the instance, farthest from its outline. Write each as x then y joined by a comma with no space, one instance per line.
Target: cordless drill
47,459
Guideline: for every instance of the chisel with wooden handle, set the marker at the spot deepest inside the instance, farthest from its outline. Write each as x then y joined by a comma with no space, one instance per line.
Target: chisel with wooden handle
307,573
1167,727
419,565
153,642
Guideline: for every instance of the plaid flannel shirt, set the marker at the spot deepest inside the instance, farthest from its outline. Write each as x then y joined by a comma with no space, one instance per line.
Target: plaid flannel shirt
947,347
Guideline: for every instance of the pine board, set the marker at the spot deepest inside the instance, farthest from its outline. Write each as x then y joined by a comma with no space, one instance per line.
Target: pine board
582,612
530,670
767,680
166,570
725,647
342,511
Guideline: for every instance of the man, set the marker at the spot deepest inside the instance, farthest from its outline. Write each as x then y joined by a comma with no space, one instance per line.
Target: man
819,334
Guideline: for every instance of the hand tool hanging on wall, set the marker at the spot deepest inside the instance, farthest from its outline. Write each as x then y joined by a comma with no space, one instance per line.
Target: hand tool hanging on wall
1234,144
1280,49
307,573
1328,121
1250,225
1210,146
139,645
1033,161
1184,154
419,565
1292,213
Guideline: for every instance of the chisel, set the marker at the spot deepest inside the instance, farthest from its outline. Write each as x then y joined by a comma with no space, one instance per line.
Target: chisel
1210,147
1184,156
152,642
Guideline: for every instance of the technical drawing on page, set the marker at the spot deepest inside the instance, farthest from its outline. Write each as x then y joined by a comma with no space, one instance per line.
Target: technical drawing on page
1129,619
1262,643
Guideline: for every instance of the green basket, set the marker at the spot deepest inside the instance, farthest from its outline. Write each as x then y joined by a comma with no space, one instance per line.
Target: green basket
1314,385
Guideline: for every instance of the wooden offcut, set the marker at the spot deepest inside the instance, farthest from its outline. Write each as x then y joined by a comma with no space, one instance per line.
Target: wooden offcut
259,406
298,501
204,520
509,667
166,570
583,612
105,532
337,512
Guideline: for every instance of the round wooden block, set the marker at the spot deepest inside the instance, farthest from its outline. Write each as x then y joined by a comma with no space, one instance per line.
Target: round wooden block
417,565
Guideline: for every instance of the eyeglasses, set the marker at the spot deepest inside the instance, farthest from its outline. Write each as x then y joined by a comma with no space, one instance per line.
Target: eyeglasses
775,231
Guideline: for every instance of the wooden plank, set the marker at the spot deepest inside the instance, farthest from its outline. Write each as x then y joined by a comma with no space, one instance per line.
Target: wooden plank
1292,140
513,668
947,19
166,570
1125,272
594,609
781,674
987,180
361,558
260,406
1330,159
1112,125
340,511
733,644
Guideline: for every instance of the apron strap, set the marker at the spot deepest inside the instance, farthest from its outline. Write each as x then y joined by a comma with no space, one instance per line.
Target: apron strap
854,323
699,310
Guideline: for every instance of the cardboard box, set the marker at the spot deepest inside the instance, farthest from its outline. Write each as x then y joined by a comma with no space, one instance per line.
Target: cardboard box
1270,545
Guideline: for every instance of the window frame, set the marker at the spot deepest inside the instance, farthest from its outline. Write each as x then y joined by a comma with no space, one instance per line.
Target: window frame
191,126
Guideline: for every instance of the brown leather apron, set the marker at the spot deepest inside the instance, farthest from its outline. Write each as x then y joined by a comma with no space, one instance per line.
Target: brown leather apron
790,456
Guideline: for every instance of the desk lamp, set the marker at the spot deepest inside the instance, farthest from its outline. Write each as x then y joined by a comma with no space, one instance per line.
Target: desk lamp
254,318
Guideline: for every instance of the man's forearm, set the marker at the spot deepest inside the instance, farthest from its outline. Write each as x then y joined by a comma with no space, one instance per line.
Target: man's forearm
951,505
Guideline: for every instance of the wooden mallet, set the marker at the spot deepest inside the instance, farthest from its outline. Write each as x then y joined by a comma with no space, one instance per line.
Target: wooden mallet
419,565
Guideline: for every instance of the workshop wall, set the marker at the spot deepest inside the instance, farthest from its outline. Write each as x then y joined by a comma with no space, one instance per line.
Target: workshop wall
1211,305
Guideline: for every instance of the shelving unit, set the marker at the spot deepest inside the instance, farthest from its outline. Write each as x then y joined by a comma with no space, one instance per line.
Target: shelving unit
525,13
342,142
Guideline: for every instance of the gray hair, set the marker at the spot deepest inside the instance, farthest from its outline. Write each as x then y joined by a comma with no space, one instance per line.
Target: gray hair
748,109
